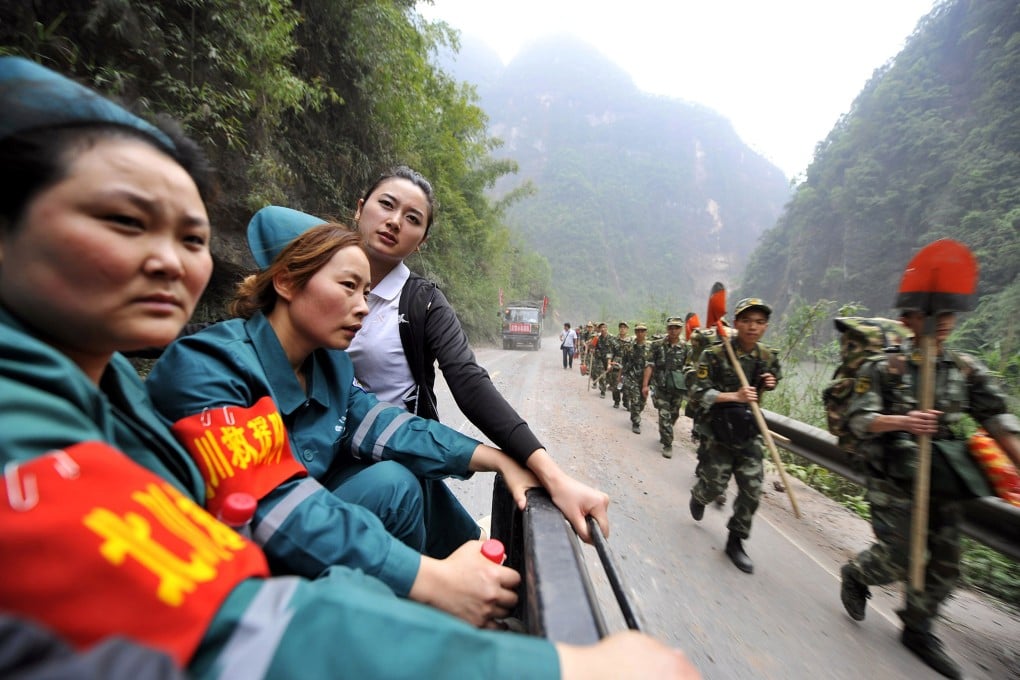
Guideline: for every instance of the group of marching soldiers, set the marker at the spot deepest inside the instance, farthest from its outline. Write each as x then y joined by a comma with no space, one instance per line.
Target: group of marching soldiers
721,371
633,368
688,364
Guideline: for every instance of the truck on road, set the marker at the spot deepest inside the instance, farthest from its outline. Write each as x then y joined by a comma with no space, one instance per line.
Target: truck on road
523,323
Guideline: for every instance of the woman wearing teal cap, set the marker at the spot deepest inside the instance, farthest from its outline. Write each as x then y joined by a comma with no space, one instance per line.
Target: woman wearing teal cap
337,481
396,360
104,247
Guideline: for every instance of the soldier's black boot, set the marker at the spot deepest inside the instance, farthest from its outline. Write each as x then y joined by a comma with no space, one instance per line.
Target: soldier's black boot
853,593
735,551
697,509
929,649
635,428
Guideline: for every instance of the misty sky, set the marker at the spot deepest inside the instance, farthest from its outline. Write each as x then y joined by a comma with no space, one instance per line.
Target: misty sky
783,71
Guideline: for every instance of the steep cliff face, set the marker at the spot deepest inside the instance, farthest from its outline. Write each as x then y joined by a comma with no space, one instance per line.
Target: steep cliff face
640,202
929,150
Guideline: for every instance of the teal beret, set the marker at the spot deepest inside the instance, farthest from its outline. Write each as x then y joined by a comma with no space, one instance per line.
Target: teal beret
33,96
273,228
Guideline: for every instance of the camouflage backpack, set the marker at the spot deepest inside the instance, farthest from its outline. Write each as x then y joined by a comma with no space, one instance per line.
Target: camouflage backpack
699,340
861,340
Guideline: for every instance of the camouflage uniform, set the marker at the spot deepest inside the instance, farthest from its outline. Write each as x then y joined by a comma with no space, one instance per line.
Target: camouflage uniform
599,358
620,347
667,363
634,361
742,457
889,386
700,339
585,335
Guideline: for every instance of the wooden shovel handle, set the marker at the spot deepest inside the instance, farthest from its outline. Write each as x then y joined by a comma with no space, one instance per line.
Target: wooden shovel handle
762,426
922,479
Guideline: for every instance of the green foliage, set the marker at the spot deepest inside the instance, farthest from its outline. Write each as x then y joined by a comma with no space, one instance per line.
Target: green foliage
303,103
991,572
927,151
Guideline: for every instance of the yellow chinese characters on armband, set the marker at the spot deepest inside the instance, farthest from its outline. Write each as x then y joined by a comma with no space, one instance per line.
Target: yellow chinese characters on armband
862,384
97,545
239,448
702,371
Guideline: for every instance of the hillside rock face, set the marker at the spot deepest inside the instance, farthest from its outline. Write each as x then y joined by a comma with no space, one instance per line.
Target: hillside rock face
929,150
639,202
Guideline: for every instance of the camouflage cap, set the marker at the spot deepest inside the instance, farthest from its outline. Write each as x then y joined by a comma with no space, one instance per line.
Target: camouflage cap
640,327
751,303
623,323
674,321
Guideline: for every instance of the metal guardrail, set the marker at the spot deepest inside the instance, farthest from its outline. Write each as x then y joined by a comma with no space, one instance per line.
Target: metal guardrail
991,521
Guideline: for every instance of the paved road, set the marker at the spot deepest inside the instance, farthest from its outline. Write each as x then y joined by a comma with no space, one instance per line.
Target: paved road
785,621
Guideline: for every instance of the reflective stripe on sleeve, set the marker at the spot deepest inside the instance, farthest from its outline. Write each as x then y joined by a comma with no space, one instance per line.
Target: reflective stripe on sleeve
252,645
275,518
387,434
361,433
366,425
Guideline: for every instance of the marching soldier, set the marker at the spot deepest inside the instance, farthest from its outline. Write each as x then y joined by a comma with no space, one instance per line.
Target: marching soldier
732,443
586,334
620,345
601,351
634,361
701,338
886,416
665,366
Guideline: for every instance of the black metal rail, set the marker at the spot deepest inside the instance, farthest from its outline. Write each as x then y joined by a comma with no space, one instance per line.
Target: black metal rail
557,601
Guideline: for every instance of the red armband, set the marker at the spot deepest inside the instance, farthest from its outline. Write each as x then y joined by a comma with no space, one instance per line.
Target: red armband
96,545
239,449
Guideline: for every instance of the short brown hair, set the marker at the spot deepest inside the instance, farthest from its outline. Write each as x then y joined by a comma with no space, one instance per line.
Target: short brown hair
300,260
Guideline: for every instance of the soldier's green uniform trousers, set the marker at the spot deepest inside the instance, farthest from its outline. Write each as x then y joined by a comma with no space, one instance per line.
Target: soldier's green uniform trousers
633,398
668,403
717,463
887,559
615,378
600,357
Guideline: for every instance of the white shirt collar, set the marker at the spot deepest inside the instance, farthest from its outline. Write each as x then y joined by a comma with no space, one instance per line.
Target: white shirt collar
392,283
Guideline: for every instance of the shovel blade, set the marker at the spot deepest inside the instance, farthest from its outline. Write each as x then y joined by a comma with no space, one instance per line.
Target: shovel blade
941,277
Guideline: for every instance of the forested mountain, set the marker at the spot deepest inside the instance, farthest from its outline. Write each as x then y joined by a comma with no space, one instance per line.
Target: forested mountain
638,202
300,103
930,149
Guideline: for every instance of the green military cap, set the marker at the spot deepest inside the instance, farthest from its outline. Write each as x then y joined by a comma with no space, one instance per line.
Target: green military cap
751,303
624,323
674,321
640,327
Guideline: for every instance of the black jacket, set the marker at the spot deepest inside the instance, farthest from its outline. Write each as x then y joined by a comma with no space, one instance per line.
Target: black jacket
429,332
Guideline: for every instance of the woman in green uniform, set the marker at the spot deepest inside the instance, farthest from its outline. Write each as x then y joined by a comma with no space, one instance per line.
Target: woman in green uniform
341,473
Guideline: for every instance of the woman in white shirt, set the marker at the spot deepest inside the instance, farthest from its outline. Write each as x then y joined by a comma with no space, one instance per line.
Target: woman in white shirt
411,326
